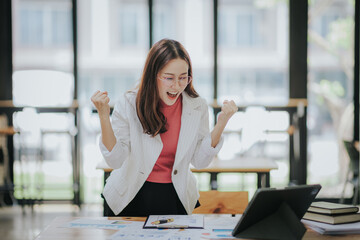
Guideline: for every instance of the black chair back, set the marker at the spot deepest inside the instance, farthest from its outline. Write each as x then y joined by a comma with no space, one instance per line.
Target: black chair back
354,158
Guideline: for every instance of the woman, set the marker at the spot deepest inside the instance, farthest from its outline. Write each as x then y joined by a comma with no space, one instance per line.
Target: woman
155,133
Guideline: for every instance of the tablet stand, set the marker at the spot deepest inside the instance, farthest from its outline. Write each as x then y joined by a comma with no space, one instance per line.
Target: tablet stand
282,224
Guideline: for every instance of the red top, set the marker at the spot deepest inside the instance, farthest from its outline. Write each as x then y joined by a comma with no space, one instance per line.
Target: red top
161,173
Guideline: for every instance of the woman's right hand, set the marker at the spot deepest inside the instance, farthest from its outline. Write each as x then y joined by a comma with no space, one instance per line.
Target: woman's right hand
101,101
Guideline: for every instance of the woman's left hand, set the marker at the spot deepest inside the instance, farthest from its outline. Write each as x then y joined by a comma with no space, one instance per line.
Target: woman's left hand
227,110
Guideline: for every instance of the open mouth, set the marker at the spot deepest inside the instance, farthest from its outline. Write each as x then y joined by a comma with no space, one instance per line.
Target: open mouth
172,95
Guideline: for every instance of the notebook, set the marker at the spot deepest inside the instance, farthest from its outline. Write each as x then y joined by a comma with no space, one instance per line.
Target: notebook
333,219
332,208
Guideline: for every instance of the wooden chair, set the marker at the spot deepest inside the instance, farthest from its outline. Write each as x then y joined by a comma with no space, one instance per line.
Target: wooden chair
222,202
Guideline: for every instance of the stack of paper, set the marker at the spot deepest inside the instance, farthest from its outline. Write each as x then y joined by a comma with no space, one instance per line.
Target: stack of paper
323,228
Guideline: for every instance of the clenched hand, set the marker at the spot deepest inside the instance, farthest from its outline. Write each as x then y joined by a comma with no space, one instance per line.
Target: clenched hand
101,101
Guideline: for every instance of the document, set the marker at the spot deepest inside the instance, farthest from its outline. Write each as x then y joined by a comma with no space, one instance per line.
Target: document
174,221
219,227
221,223
102,224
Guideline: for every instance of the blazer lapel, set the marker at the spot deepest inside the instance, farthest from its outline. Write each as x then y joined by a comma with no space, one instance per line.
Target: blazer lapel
190,121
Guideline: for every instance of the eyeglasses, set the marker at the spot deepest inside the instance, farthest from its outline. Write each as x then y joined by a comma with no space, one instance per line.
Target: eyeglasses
182,80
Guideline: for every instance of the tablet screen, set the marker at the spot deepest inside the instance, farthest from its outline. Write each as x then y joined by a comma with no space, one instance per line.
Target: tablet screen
266,201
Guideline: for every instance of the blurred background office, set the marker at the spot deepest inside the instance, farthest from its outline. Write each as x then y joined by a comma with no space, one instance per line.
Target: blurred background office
289,65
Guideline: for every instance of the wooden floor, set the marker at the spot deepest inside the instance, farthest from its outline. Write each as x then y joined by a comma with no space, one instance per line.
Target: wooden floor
16,225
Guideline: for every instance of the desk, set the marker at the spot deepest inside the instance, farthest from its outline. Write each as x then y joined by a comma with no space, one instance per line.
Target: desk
54,231
260,166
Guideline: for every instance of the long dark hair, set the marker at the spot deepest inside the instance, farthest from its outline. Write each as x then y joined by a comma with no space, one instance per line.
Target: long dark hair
147,99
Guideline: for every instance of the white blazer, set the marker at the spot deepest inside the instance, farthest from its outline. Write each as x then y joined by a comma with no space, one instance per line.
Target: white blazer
135,153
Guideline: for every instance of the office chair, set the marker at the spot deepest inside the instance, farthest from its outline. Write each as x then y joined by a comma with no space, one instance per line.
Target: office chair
353,168
6,184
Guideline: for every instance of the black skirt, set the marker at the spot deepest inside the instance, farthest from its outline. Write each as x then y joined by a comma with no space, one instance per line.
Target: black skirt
152,199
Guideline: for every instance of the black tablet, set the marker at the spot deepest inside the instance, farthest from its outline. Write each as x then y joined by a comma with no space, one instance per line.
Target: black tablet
263,212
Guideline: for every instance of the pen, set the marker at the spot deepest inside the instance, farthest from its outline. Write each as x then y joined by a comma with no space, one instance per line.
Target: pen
172,226
222,230
161,221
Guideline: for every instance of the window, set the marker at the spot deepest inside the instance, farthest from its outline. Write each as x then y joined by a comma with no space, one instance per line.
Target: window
330,93
44,25
191,23
165,19
43,76
131,28
253,52
253,70
126,25
42,33
243,24
113,43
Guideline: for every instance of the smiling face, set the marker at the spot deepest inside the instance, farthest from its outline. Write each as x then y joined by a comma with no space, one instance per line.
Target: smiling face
173,71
